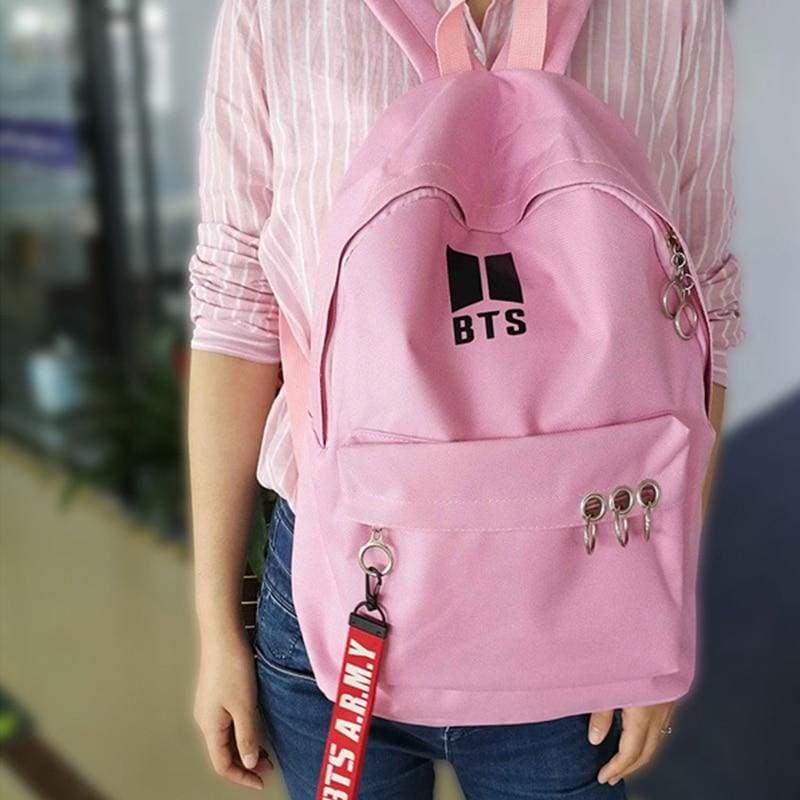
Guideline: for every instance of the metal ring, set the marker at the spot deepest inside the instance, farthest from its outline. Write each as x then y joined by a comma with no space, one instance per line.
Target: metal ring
621,529
648,506
590,537
686,311
378,545
678,259
666,730
671,291
642,487
595,498
648,524
612,500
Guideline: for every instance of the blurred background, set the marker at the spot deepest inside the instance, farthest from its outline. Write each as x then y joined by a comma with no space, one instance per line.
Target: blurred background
99,105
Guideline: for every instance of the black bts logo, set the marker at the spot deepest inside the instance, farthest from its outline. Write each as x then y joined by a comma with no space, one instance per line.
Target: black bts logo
466,289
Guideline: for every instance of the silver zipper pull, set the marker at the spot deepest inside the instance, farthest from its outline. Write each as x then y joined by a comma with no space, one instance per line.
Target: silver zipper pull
676,299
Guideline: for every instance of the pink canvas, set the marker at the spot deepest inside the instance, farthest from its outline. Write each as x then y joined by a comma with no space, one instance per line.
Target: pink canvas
488,346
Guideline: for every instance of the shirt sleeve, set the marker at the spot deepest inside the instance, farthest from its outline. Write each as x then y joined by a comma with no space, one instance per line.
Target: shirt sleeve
232,308
706,202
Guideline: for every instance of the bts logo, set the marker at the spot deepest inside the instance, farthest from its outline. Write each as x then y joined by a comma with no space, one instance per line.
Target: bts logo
466,289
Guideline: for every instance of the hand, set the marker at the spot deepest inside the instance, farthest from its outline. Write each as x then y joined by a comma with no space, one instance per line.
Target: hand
641,736
227,712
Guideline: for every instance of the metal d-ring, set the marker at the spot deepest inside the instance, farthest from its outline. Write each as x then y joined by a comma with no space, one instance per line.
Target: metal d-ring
621,510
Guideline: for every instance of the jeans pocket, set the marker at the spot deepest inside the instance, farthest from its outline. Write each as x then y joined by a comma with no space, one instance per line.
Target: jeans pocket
277,628
278,640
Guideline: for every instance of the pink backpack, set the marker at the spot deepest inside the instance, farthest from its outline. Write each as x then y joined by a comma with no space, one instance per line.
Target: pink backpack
506,394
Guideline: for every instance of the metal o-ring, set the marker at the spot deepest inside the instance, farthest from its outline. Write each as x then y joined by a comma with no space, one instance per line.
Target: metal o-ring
612,500
385,549
590,537
600,503
672,295
650,486
686,315
648,483
593,509
621,530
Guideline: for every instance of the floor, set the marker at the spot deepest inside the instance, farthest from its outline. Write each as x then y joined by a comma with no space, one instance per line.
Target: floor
96,641
11,788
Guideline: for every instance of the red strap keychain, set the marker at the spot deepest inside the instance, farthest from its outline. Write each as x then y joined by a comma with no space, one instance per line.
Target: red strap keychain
343,756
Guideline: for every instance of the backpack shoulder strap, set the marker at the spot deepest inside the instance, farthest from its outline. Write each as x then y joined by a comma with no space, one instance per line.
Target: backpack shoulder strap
543,34
412,24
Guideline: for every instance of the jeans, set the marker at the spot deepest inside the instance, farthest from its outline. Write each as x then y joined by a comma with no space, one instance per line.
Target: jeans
540,761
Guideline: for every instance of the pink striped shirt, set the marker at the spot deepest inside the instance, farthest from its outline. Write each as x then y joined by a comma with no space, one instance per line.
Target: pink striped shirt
293,90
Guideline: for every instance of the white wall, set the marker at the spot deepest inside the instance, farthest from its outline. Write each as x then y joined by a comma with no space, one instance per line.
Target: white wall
767,241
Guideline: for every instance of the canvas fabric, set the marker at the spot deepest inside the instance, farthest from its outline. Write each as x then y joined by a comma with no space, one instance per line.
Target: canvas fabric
488,347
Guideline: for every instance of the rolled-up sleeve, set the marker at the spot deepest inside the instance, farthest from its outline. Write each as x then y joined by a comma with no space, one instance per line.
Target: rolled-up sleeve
232,308
706,200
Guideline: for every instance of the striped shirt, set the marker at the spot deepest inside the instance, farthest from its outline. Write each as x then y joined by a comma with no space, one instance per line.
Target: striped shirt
295,85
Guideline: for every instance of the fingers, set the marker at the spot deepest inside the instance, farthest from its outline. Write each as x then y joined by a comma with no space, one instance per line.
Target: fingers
226,710
648,751
631,746
264,764
218,733
658,721
600,725
221,752
247,731
641,737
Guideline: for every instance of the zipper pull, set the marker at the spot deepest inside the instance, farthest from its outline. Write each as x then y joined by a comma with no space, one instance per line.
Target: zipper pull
676,299
376,542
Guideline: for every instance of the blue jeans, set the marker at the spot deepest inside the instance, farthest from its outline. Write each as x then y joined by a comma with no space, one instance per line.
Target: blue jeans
540,761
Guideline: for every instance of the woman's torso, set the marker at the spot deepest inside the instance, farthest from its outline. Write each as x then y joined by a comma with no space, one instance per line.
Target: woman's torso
328,76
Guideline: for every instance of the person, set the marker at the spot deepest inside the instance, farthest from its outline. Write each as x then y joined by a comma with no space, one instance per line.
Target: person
293,88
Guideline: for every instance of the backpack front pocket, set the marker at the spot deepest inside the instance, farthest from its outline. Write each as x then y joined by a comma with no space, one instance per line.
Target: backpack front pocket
493,573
